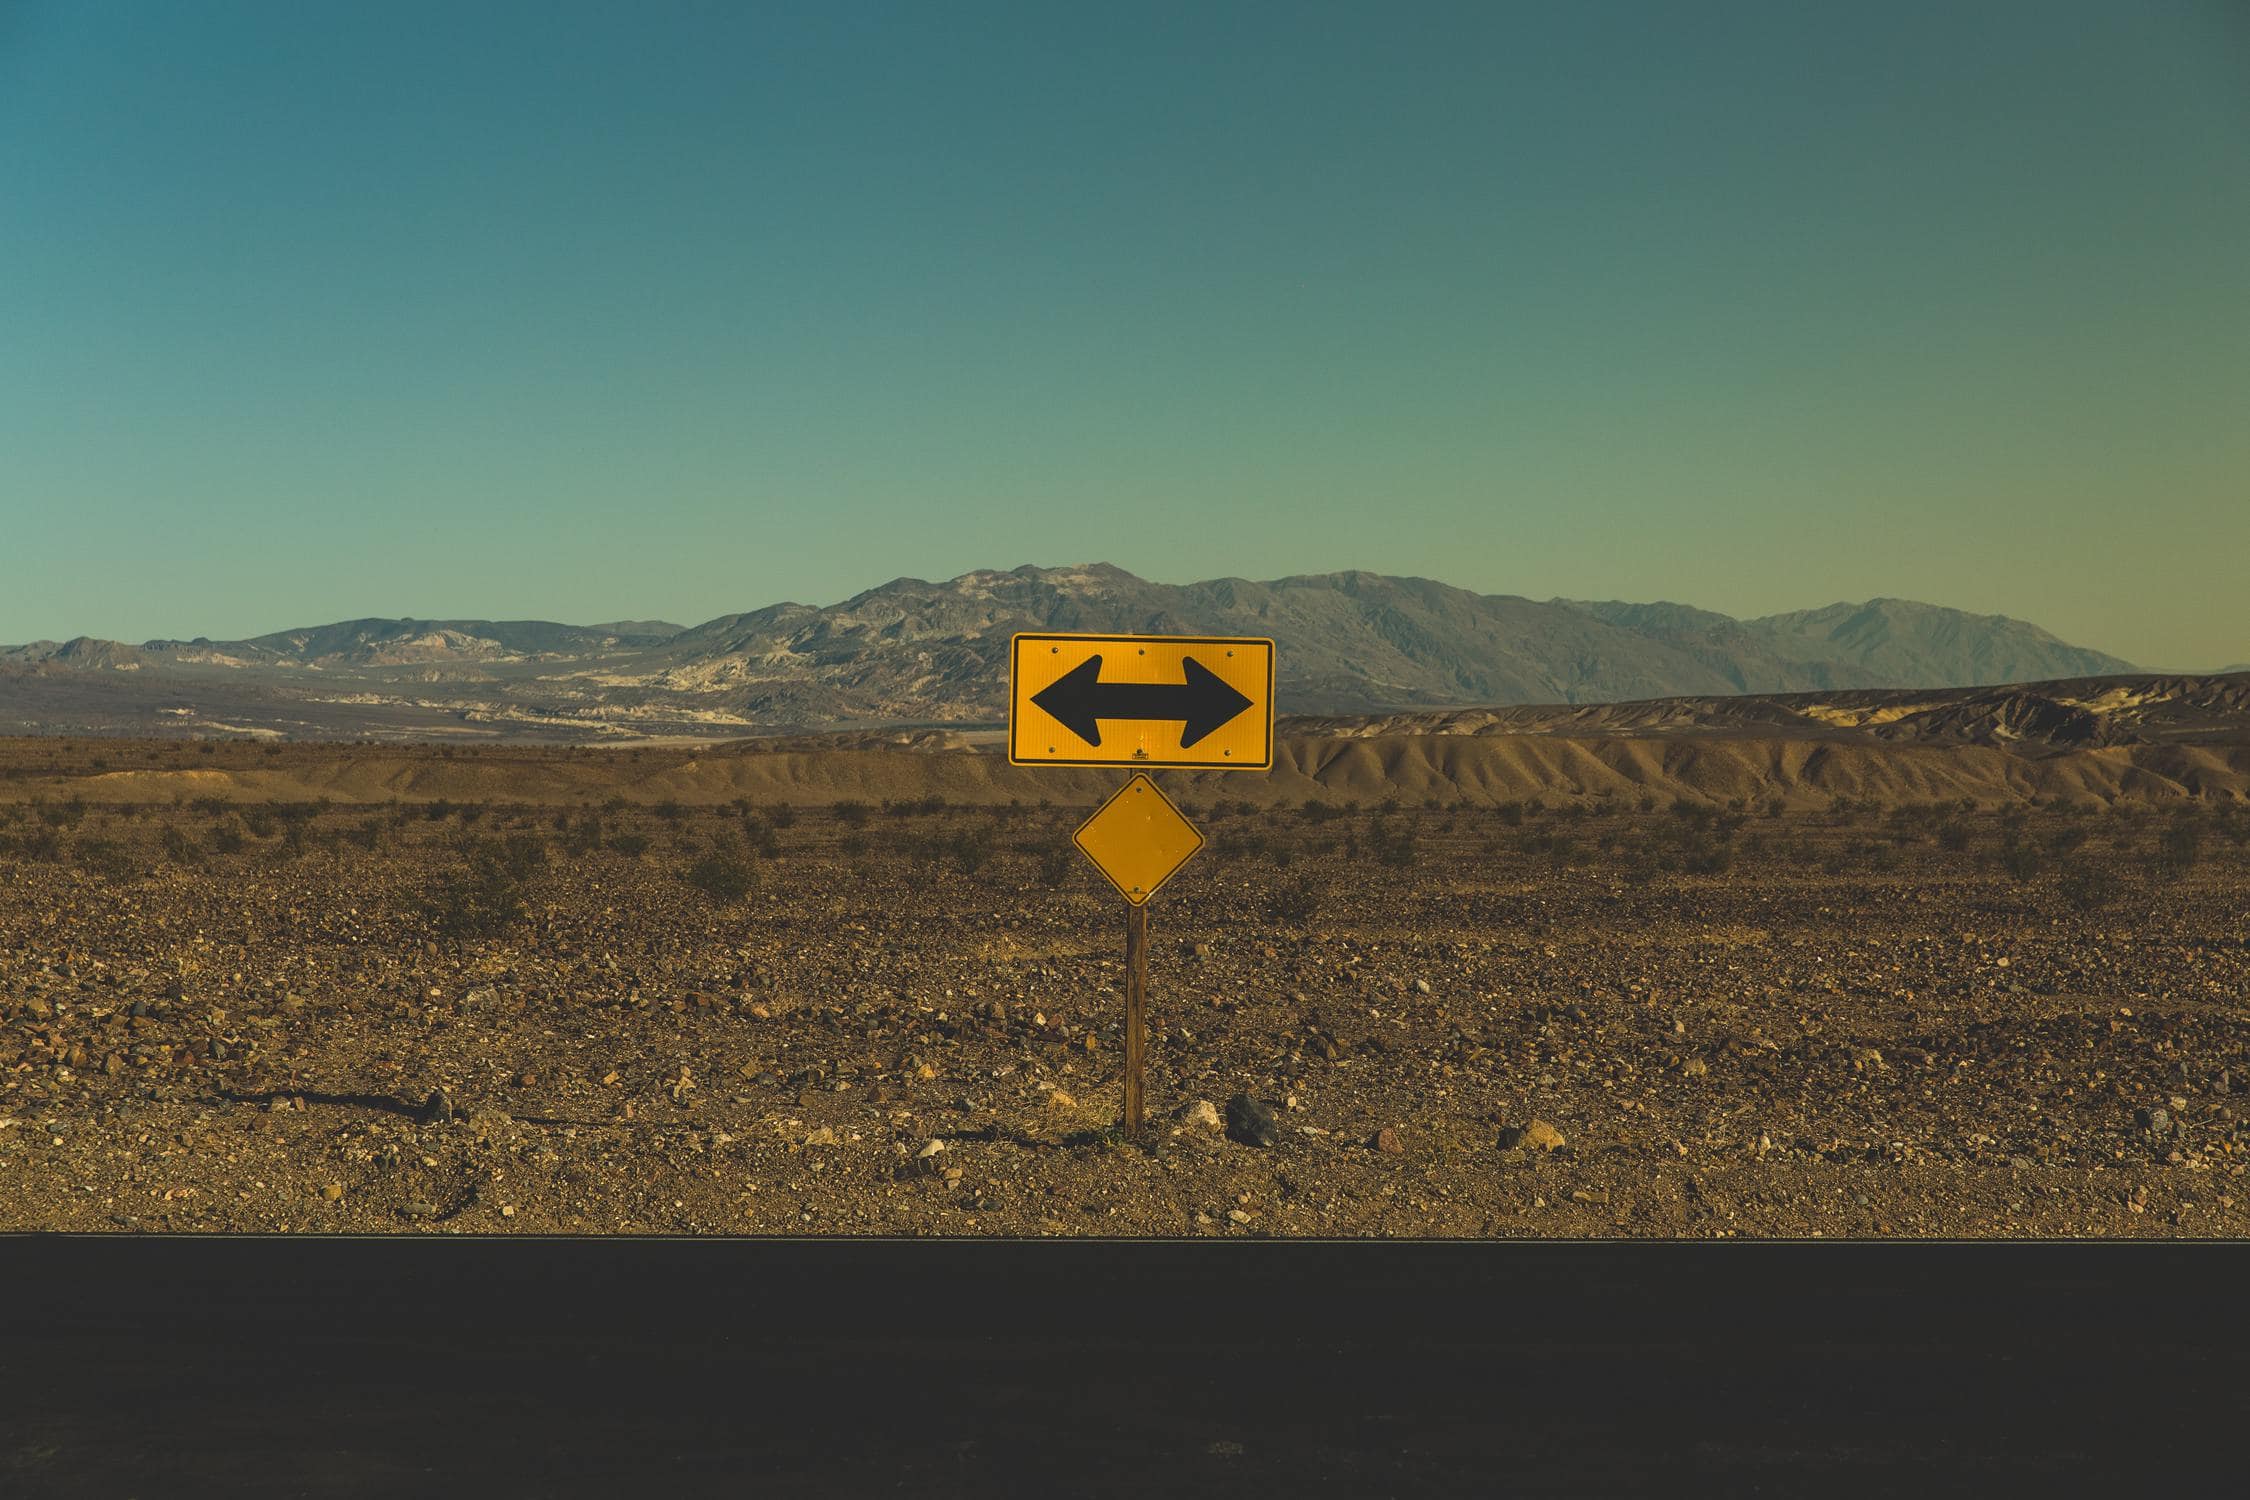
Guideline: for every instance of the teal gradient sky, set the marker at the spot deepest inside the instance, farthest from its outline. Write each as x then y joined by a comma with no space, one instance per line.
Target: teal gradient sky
310,311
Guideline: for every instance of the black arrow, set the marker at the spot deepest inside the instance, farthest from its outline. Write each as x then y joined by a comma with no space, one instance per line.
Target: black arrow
1080,700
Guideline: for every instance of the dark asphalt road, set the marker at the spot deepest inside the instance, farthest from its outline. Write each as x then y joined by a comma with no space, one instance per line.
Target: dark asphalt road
430,1365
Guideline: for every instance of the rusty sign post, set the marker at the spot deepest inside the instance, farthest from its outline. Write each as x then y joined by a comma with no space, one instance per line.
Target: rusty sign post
1136,1012
1143,701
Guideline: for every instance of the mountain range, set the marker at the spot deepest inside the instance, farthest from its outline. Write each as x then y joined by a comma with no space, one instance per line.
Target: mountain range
912,652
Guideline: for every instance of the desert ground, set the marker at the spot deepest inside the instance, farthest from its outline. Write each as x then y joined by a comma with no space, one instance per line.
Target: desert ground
787,991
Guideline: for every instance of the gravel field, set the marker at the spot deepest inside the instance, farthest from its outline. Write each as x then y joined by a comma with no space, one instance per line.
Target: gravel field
1597,1019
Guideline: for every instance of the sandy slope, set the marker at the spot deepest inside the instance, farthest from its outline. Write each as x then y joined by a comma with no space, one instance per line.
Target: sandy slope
1478,769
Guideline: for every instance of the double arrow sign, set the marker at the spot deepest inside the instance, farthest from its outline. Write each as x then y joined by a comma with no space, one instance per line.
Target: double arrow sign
1091,700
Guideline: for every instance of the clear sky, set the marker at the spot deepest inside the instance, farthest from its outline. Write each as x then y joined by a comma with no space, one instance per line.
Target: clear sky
580,312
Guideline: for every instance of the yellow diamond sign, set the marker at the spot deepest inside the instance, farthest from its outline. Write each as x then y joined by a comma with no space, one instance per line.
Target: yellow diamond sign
1138,839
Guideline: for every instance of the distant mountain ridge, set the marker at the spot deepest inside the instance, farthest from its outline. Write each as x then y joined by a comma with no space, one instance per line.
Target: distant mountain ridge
913,651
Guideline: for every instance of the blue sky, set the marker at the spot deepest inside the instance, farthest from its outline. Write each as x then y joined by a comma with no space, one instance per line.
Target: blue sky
598,311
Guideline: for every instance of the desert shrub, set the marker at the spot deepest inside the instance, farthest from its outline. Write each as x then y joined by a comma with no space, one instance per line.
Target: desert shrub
438,811
40,845
850,812
1393,847
757,832
2178,848
366,834
1954,835
669,810
583,836
1510,814
229,837
260,821
470,812
63,814
2090,887
631,845
1317,811
480,896
1237,843
853,844
726,874
106,858
781,815
2023,860
2063,842
521,854
1295,901
1055,862
971,849
178,847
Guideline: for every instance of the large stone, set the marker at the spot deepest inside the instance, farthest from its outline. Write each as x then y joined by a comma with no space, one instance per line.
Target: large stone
1251,1122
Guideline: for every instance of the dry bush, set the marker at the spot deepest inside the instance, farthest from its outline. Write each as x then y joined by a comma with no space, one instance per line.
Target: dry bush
726,874
482,895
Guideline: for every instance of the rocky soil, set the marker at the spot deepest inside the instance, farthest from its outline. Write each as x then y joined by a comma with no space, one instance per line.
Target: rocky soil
1568,1020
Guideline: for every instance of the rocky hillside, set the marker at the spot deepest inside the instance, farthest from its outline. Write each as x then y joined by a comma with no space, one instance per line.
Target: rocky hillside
917,652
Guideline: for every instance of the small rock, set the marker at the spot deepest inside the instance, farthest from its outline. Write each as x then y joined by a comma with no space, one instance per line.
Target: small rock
1251,1123
418,1208
1201,1112
1421,986
824,1136
437,1109
1388,1141
1537,1135
1695,1067
929,1149
333,1191
1060,1100
1238,1215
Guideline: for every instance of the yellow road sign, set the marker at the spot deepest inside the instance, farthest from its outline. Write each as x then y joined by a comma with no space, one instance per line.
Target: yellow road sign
1141,700
1138,839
